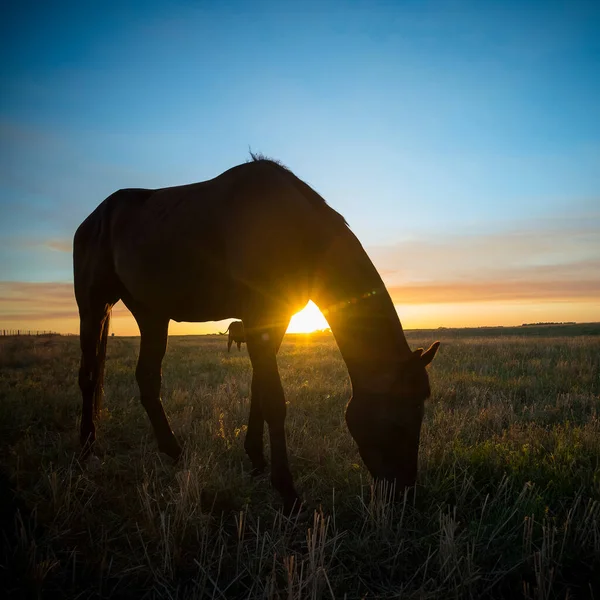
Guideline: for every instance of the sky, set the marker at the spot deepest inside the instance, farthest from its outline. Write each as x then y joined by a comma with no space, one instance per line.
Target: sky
459,139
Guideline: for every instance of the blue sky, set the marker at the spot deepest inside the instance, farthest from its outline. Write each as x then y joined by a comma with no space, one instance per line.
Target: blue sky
431,126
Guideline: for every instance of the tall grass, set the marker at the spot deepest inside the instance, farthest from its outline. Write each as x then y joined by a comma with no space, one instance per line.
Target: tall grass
507,504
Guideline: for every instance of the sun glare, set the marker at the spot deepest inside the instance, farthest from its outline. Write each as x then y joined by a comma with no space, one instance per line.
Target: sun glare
309,319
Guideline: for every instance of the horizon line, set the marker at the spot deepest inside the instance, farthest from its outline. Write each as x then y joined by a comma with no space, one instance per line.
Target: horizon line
36,332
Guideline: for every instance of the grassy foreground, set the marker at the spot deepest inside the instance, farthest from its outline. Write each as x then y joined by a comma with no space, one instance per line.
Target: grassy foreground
507,504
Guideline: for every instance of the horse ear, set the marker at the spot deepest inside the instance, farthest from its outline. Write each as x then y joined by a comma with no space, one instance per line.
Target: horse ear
429,355
417,353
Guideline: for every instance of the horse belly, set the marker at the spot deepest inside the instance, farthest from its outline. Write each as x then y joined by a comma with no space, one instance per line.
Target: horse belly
202,298
190,294
203,307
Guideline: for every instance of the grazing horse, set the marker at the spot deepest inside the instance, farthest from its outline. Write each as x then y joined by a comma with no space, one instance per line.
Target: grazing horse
166,255
236,334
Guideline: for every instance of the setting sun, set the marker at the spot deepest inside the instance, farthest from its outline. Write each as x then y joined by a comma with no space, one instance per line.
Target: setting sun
309,319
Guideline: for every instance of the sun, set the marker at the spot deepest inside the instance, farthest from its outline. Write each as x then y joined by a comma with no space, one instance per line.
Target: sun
309,319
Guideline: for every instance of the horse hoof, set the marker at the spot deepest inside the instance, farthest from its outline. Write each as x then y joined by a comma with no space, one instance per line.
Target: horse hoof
258,468
93,463
176,455
172,450
294,509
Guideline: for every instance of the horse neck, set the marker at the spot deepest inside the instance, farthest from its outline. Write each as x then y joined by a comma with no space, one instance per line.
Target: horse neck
360,312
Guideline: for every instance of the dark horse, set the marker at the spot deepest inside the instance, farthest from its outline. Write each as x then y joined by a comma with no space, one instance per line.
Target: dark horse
164,254
236,334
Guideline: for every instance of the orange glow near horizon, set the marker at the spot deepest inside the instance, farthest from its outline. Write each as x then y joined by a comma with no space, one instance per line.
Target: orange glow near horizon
309,319
51,306
494,314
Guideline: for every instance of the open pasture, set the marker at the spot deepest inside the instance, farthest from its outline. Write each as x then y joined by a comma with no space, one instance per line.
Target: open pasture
507,502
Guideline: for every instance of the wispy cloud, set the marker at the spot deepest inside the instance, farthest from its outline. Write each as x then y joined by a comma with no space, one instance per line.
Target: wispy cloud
36,258
52,306
60,245
42,243
553,251
24,302
31,302
452,292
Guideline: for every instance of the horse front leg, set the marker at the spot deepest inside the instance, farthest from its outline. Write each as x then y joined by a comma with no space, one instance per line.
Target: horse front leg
153,345
266,385
254,442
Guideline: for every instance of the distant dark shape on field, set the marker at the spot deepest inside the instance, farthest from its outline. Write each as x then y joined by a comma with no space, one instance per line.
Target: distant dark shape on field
255,243
236,334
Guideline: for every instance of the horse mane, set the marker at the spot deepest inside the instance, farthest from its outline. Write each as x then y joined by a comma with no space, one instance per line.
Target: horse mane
260,157
314,197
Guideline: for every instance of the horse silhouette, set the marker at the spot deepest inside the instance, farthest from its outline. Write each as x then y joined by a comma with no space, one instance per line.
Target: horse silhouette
166,255
236,334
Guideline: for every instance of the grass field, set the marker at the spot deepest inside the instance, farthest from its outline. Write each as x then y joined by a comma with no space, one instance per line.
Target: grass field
507,502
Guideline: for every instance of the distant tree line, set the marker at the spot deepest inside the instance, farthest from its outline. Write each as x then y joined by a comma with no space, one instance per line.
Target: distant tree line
548,323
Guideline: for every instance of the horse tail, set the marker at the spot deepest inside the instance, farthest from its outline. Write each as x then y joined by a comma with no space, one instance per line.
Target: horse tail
224,332
100,364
